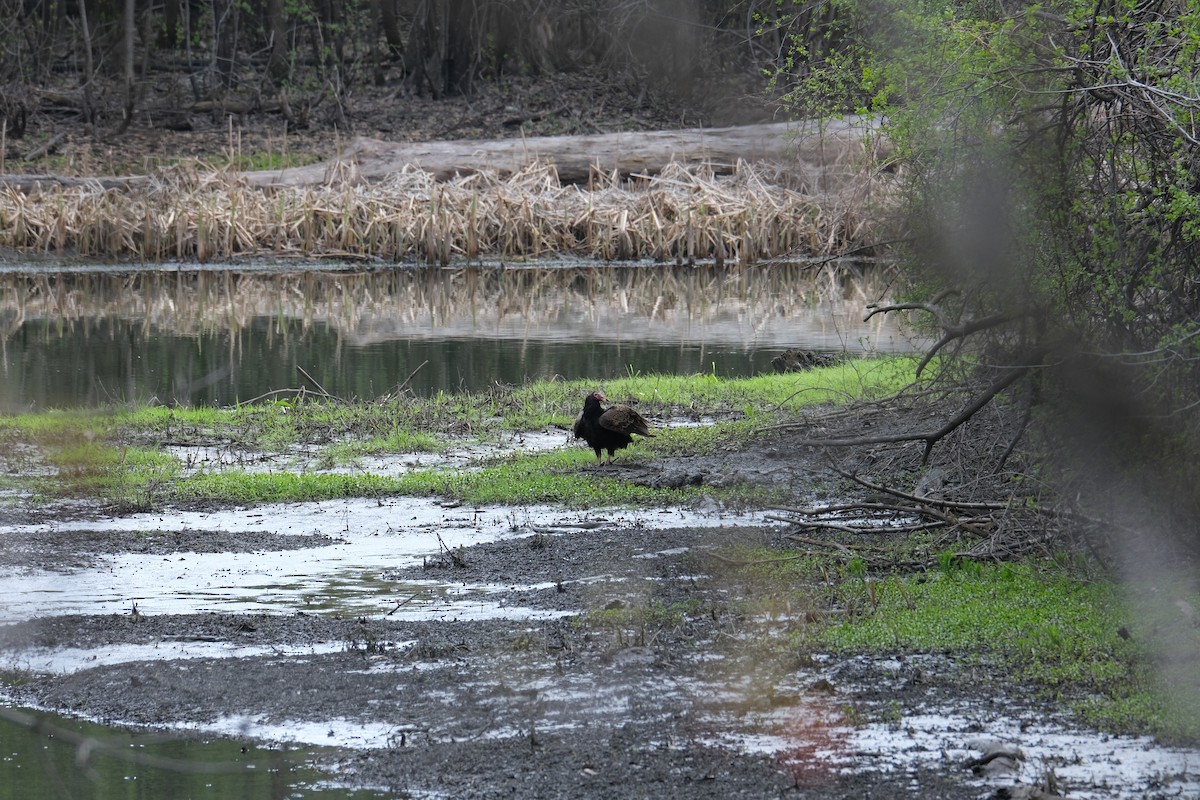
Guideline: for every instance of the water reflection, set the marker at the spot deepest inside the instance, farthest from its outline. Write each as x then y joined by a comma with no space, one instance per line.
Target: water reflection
51,756
201,336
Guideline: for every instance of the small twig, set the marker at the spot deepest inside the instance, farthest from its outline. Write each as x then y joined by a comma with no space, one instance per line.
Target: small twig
313,381
403,603
404,384
817,512
737,562
858,529
300,391
992,505
455,558
47,147
846,548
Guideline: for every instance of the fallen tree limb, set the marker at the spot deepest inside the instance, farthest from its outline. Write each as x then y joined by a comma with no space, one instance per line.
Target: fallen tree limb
932,437
951,331
823,154
820,155
33,183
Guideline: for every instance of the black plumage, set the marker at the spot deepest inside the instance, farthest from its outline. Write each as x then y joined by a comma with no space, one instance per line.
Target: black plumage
608,429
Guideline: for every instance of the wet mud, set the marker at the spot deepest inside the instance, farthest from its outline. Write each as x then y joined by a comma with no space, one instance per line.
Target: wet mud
494,708
625,669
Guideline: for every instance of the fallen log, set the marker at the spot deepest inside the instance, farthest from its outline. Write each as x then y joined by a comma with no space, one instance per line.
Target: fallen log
821,155
28,184
818,156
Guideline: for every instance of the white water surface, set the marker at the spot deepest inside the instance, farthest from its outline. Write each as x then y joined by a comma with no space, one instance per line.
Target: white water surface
373,537
1087,765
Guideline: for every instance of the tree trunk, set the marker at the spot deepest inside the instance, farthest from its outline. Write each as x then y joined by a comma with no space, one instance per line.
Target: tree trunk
168,37
390,22
277,62
130,27
225,25
89,64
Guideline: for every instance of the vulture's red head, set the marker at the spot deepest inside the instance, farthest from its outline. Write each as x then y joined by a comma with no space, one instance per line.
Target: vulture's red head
599,395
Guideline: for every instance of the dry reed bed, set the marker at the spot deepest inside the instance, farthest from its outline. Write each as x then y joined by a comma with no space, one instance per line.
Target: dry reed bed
684,214
381,303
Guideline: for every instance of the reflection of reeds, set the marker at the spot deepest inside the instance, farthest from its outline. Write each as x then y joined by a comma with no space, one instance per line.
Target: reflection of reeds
684,215
387,304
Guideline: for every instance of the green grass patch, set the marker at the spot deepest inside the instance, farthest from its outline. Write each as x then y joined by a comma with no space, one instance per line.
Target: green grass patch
700,440
553,477
280,424
343,453
637,624
119,455
1074,637
557,402
239,486
128,477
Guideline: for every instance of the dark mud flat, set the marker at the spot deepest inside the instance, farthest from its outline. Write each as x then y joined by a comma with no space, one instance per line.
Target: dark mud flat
628,700
67,551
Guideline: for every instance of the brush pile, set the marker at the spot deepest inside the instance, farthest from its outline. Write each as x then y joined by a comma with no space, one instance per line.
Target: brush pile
683,214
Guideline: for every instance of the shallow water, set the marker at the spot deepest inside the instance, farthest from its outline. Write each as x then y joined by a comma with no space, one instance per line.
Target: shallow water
49,756
814,736
193,335
373,536
808,732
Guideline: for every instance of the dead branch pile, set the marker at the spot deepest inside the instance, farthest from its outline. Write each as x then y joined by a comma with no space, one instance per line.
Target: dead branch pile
683,214
980,530
973,498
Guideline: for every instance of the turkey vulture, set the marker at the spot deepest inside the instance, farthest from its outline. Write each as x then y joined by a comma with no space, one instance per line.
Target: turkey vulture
608,429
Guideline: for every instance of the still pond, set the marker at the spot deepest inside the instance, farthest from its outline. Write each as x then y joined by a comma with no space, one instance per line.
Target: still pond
205,336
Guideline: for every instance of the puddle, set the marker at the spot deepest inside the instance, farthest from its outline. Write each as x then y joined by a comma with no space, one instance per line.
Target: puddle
1087,765
812,735
70,659
332,732
199,459
372,538
47,755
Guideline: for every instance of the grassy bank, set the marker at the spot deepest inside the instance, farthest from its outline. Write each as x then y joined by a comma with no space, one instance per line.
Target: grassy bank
304,450
1093,647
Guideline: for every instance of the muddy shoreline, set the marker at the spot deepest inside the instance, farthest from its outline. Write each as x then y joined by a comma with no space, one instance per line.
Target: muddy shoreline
569,706
618,658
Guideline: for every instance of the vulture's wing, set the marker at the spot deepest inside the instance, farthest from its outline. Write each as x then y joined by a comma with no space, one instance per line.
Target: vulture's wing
624,419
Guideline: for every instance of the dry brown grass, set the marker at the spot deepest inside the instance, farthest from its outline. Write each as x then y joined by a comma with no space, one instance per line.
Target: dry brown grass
683,215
